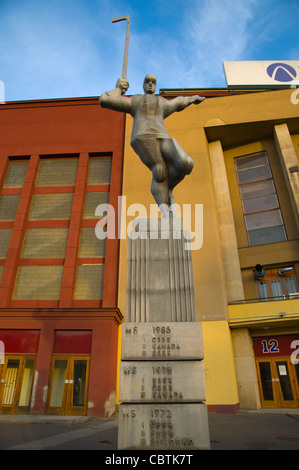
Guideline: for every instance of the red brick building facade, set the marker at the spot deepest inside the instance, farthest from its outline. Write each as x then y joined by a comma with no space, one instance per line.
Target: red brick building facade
59,319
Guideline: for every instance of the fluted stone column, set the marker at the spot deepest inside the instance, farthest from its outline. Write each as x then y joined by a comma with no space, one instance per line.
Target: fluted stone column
159,269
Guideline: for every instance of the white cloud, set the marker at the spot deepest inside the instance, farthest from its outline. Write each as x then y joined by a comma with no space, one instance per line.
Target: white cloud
219,31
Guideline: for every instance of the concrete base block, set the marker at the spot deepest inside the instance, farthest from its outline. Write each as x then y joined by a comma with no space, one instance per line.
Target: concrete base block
162,341
163,427
162,381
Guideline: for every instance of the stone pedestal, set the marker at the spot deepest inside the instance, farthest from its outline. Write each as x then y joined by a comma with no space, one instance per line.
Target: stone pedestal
159,273
162,389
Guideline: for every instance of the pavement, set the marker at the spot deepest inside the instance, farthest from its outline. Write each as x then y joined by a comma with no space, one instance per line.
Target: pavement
245,430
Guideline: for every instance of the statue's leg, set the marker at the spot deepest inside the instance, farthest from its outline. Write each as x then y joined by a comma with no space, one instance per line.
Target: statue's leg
179,164
159,187
148,149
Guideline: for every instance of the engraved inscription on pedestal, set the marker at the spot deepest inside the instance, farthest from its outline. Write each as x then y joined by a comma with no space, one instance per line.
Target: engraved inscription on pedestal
163,426
162,381
162,341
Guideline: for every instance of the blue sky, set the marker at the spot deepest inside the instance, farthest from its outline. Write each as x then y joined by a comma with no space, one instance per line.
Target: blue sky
70,48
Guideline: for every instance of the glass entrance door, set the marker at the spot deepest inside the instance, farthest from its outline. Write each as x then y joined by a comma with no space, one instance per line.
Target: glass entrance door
287,389
278,382
68,385
16,384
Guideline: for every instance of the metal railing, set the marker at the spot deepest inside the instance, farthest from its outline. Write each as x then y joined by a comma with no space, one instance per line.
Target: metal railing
293,295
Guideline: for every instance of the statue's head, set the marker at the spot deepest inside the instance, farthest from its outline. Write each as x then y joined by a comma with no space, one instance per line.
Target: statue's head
149,84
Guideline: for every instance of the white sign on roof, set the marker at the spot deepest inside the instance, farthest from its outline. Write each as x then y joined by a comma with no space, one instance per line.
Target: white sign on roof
274,73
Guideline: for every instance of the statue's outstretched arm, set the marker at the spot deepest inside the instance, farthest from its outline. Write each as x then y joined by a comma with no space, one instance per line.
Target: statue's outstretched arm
179,103
114,100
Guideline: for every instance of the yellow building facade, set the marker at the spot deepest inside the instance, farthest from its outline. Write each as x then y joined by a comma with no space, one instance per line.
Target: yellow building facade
245,185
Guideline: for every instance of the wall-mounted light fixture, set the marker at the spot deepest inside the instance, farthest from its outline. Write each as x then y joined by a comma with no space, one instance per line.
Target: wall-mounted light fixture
259,272
282,271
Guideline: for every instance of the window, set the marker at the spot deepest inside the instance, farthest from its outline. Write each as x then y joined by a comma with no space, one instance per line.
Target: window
57,172
99,170
51,206
5,235
89,282
9,206
91,202
276,287
15,175
263,219
90,246
38,283
44,243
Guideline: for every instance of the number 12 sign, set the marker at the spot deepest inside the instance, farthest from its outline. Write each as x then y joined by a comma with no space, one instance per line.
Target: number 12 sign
274,345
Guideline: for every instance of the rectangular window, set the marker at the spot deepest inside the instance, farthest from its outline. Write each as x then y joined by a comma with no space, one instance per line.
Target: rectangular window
9,206
91,202
51,206
263,219
90,246
15,175
57,172
99,170
89,282
5,235
45,243
38,283
291,286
